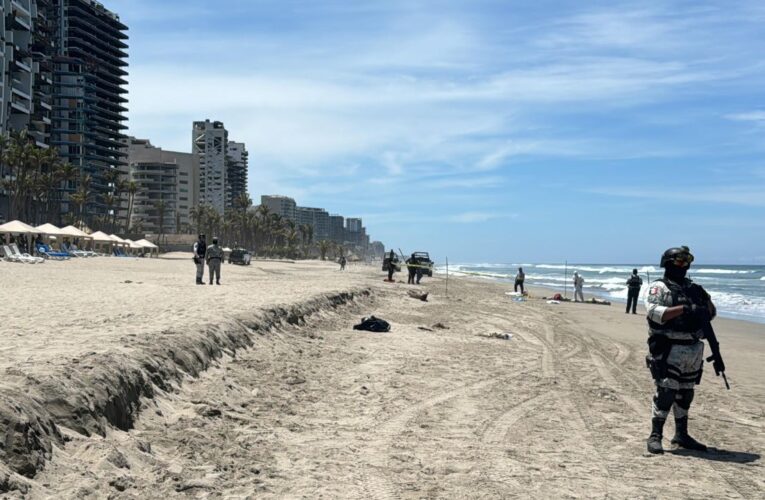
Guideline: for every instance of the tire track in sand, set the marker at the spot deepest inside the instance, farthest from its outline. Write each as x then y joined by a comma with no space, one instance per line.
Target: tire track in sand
376,483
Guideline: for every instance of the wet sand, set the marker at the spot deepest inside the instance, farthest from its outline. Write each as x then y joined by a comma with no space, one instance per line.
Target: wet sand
289,401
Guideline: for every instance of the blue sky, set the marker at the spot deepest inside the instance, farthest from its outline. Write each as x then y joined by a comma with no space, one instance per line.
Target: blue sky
482,130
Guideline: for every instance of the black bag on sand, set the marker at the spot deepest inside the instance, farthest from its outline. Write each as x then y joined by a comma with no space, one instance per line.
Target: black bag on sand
372,324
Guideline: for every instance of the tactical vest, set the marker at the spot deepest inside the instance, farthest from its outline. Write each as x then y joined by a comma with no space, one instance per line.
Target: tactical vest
686,294
634,282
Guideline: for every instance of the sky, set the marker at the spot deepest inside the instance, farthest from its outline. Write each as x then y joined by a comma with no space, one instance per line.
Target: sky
480,130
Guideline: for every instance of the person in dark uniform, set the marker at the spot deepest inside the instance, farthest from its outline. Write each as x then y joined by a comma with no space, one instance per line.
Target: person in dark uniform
391,265
411,264
676,309
634,283
519,279
200,248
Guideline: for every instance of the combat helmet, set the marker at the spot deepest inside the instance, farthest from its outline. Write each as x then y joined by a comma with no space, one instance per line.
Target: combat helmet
682,253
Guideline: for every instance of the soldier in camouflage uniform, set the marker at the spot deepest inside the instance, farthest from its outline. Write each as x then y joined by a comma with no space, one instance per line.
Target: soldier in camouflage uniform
214,257
676,309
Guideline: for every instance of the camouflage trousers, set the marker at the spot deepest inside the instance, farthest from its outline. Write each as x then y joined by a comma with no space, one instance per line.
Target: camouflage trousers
676,390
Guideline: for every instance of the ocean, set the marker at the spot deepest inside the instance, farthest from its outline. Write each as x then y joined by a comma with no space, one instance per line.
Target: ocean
737,291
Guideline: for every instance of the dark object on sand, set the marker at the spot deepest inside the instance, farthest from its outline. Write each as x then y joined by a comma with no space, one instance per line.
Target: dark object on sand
501,336
441,326
372,324
601,302
425,328
418,295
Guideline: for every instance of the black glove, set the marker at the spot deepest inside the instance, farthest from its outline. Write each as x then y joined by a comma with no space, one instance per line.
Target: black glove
718,365
698,313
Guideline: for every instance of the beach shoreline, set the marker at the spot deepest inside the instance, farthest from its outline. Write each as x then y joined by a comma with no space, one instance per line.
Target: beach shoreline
275,394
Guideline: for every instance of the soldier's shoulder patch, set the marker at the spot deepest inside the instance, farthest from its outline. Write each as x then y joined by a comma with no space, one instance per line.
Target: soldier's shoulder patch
655,290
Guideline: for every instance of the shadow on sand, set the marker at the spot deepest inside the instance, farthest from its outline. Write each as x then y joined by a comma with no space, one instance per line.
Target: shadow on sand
718,455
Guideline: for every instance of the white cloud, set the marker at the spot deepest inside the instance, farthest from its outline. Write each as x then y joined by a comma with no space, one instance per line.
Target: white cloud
751,116
470,217
747,195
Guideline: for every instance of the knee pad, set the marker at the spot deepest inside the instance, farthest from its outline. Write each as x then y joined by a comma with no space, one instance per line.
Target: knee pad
684,398
664,398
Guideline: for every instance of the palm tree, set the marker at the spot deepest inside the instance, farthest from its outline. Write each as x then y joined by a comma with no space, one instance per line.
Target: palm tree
161,207
324,246
80,198
109,200
65,174
132,188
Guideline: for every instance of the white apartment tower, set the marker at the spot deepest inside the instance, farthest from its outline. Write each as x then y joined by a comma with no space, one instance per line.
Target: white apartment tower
210,145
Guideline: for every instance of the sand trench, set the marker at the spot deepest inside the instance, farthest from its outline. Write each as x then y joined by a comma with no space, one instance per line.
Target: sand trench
98,390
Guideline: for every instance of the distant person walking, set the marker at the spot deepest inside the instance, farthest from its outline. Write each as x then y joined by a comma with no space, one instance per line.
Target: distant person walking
634,283
519,279
214,258
200,248
342,262
578,285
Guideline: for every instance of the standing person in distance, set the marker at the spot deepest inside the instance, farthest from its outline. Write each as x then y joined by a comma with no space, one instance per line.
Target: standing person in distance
391,265
634,283
578,285
677,310
411,263
200,248
214,258
519,279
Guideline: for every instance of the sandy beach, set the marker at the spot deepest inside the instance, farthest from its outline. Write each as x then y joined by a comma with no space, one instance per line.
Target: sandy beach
122,379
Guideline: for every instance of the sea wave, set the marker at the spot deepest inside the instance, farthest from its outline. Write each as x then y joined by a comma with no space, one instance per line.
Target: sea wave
600,269
723,271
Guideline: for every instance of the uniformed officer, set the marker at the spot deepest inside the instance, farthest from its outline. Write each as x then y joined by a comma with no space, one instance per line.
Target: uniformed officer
200,247
677,310
214,258
519,279
411,268
634,283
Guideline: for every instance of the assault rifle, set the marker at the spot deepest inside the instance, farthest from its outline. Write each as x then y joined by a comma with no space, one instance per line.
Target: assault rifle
716,357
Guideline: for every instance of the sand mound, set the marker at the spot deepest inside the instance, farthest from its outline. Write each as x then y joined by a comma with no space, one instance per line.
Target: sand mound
95,390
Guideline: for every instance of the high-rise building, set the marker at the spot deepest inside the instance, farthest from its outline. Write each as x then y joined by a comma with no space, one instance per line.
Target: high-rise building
353,225
318,218
89,94
337,228
281,205
25,63
63,76
152,165
209,145
236,172
25,74
155,203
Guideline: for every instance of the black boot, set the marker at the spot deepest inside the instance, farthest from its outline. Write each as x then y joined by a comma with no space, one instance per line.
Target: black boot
654,440
682,439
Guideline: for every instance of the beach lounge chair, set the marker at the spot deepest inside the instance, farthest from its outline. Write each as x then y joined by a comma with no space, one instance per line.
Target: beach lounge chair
83,253
72,250
25,257
46,251
8,255
12,256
